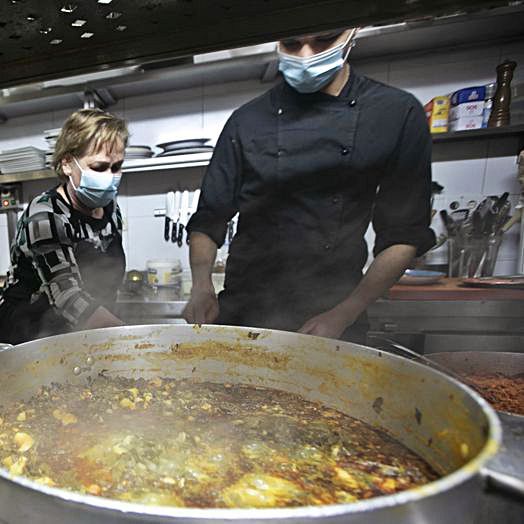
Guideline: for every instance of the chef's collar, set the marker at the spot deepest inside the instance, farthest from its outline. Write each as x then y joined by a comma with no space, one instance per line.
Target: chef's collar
288,95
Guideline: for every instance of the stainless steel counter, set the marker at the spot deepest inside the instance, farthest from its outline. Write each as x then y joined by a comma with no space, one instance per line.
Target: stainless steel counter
432,326
138,309
427,326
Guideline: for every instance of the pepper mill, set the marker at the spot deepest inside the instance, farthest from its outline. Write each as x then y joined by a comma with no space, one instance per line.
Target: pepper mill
500,112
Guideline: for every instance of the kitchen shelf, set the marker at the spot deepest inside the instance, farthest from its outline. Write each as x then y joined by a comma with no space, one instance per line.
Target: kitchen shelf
27,176
474,134
169,162
130,166
202,159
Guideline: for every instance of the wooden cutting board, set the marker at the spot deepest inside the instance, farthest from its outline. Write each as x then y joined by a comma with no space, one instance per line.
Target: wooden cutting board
450,289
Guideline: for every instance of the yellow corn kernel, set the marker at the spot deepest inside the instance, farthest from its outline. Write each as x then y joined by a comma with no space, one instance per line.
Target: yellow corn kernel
23,441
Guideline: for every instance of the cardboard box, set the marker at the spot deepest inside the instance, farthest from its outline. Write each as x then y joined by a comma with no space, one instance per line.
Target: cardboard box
466,123
468,94
437,113
466,109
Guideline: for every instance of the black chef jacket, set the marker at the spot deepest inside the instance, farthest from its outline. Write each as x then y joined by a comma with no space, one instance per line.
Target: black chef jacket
308,172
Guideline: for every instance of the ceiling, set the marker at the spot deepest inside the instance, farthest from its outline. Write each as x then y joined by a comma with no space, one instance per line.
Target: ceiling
46,39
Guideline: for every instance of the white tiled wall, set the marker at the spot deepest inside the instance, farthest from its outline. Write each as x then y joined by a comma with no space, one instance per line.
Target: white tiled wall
202,112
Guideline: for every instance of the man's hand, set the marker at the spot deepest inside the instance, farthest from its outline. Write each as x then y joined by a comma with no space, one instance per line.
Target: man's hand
330,324
202,307
384,271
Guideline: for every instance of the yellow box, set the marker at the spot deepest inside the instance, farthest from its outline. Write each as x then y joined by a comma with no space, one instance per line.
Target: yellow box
437,113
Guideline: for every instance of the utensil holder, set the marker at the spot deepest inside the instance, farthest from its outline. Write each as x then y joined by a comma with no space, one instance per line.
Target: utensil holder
472,256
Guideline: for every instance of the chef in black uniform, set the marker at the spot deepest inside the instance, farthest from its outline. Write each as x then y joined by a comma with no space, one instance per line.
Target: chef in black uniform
67,259
308,165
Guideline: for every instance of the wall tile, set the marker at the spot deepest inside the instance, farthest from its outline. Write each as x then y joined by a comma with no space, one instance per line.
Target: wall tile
440,74
146,241
505,267
501,176
221,100
376,71
164,117
460,176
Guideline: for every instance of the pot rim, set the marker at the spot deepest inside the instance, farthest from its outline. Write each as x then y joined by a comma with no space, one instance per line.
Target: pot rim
465,473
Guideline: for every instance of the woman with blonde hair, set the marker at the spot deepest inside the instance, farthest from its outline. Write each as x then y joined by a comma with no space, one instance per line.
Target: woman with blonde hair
67,259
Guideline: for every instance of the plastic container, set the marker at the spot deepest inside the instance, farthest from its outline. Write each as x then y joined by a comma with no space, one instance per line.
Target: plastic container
162,273
218,281
187,284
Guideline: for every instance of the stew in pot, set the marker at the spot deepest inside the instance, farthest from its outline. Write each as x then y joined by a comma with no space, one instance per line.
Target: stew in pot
502,392
185,443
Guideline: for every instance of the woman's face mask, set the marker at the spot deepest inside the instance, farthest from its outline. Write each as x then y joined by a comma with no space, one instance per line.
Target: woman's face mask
97,188
312,73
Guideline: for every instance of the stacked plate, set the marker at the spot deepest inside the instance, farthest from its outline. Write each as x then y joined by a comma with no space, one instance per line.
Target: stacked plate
185,147
21,159
51,136
134,152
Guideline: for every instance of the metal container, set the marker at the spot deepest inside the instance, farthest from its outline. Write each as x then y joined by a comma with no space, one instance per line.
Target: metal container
508,465
446,423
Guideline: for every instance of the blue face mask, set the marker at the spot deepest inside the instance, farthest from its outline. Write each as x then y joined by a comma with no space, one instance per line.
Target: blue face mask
312,73
96,189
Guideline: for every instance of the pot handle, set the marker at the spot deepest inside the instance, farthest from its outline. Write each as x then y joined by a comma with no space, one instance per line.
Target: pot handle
502,484
4,346
391,346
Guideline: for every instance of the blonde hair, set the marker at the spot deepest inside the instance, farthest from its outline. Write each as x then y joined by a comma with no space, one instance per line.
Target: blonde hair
87,130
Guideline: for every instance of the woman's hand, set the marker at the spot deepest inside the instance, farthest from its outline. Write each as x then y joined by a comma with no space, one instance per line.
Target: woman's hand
202,307
330,324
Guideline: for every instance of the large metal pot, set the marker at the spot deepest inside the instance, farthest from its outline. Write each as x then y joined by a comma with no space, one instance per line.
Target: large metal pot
438,418
472,362
506,469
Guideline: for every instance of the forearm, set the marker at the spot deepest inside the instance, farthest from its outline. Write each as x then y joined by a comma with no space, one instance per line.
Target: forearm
383,272
202,255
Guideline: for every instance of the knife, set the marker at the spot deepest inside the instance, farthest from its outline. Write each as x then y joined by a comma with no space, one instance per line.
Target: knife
174,231
170,212
184,206
193,209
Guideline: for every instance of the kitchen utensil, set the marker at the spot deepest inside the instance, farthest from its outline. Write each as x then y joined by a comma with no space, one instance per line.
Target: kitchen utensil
176,224
184,208
230,231
170,215
460,215
187,151
446,423
449,224
193,209
183,144
504,282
